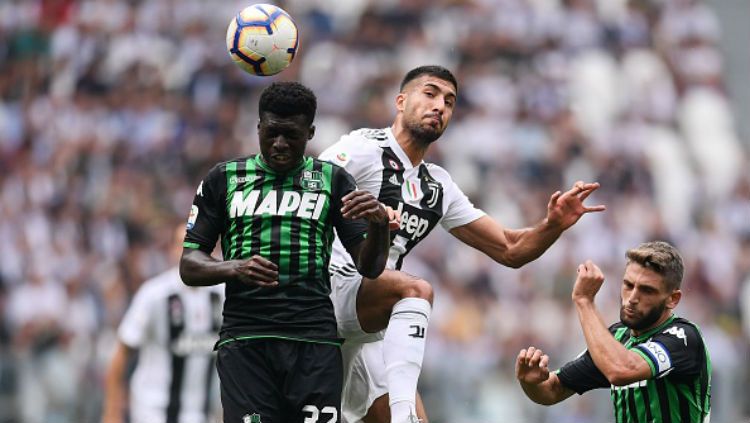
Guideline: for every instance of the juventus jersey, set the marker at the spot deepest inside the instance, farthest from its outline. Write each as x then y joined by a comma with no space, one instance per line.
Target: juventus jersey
425,194
174,327
679,389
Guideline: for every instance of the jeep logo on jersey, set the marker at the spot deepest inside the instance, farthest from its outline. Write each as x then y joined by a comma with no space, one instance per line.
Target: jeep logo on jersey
307,205
312,180
413,224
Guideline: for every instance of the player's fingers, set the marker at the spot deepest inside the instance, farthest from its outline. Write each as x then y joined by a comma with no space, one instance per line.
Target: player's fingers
534,361
553,199
355,210
266,274
544,361
592,209
352,195
264,262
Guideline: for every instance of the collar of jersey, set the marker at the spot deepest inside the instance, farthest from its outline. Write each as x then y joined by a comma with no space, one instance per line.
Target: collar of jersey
262,164
400,153
643,336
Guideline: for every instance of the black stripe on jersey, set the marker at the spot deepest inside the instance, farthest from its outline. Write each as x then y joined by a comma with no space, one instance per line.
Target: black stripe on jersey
647,404
632,412
390,193
684,407
256,224
241,173
313,233
275,256
661,389
431,208
176,312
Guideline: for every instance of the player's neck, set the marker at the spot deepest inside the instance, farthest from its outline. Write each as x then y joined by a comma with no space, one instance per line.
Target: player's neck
658,323
415,150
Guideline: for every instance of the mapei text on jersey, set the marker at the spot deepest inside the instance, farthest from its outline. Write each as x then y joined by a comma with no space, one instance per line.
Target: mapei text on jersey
308,205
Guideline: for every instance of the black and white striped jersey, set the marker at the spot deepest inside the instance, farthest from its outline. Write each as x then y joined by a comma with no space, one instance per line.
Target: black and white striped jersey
174,328
425,194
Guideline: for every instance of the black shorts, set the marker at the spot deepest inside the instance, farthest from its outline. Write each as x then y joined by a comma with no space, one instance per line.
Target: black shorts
280,381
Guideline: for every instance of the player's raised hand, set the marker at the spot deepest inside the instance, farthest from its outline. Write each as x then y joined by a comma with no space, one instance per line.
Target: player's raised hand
258,271
531,366
565,208
394,218
363,205
589,281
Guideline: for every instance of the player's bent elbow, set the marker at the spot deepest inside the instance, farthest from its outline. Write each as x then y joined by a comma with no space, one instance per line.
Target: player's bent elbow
187,273
620,377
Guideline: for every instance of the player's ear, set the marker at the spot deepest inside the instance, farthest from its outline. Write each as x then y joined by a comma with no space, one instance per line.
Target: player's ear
400,99
311,133
674,299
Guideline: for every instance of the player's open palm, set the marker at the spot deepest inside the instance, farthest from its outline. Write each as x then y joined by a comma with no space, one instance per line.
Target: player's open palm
531,366
565,208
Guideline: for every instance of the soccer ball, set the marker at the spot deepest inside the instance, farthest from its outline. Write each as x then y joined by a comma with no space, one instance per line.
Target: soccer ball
262,39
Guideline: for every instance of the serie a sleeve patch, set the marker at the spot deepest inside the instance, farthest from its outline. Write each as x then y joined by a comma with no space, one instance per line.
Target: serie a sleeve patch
658,354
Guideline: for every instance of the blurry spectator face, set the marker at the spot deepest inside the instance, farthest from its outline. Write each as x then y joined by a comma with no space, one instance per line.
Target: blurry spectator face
426,105
645,297
283,140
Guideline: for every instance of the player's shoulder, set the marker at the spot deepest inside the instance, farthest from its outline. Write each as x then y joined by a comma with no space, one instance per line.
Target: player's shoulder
363,145
371,135
221,168
437,172
683,329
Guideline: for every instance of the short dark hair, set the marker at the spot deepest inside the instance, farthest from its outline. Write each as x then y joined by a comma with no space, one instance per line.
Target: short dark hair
432,70
288,99
662,258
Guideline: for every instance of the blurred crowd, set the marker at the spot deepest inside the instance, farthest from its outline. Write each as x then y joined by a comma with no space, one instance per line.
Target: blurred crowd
112,110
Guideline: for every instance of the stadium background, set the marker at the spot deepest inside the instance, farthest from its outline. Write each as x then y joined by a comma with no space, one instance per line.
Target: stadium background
111,110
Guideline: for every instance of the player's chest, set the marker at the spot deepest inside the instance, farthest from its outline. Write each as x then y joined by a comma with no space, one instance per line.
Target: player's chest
304,196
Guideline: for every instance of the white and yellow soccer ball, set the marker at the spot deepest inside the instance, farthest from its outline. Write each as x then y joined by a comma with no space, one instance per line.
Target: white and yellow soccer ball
262,39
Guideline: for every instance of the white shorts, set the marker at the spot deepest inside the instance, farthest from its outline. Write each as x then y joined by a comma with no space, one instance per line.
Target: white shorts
364,369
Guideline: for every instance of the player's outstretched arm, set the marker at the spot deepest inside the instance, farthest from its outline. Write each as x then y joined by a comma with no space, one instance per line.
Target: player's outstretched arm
198,268
371,255
535,379
516,247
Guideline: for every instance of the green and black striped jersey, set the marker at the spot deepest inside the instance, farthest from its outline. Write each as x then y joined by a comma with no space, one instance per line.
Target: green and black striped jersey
287,218
679,390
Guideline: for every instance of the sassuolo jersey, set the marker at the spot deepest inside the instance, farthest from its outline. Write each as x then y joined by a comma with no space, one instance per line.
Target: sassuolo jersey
287,218
174,328
679,390
424,194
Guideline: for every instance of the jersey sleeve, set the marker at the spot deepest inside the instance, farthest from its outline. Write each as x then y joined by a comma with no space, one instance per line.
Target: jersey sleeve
582,375
134,327
350,152
208,213
459,210
677,350
350,232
